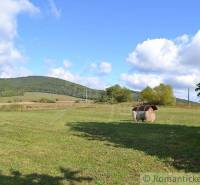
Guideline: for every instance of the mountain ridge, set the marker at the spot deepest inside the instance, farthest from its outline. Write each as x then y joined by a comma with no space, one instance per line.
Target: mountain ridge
20,85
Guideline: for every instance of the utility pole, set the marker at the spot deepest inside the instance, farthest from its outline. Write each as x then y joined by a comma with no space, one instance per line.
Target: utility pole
188,96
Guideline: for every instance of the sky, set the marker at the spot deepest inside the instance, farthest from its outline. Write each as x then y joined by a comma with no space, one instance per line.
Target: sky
99,43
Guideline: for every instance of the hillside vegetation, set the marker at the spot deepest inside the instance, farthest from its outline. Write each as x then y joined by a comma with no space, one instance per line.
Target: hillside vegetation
18,86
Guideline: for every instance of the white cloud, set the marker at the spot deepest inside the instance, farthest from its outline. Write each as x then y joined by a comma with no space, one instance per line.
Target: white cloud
10,56
190,54
94,82
176,62
183,39
67,63
54,10
105,68
155,55
9,9
182,81
8,52
10,71
102,68
140,81
63,72
93,66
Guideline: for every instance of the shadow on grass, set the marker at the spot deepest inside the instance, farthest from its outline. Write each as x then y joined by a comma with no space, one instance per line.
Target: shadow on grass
16,178
176,145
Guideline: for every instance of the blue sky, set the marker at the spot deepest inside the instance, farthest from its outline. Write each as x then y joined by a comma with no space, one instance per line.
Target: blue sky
100,43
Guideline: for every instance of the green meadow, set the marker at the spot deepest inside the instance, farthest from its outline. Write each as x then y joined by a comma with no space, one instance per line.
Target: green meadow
34,97
96,144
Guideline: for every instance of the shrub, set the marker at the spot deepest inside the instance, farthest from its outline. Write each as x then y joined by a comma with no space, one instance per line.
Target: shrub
77,101
102,98
46,100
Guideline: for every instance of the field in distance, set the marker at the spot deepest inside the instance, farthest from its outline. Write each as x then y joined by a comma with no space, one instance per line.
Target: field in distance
36,97
37,100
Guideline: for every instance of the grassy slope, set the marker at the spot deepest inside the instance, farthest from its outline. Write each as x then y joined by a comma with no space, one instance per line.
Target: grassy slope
97,144
16,86
35,96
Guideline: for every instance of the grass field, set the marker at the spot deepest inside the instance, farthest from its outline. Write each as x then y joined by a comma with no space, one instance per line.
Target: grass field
95,144
36,96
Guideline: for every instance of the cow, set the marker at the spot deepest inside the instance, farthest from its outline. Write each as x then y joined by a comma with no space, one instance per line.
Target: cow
144,113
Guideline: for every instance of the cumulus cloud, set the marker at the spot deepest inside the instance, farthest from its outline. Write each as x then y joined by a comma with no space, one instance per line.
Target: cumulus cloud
140,81
94,82
105,67
176,62
65,73
182,81
54,10
8,52
67,63
9,9
61,72
10,56
155,55
9,71
102,68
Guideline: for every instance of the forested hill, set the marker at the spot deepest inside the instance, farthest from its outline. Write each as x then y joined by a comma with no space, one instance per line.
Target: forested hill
20,85
17,86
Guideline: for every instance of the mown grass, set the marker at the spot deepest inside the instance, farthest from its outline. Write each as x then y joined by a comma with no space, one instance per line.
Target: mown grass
95,144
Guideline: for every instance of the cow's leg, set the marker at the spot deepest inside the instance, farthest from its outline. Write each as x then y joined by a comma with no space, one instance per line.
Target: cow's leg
134,114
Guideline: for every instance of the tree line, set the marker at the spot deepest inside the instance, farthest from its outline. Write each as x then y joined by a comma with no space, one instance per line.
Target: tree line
159,95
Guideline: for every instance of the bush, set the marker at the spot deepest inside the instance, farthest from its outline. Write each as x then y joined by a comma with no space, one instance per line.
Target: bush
46,100
77,101
102,98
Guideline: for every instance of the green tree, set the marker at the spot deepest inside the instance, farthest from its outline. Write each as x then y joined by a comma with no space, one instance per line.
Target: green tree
102,98
198,89
164,94
117,93
148,95
160,95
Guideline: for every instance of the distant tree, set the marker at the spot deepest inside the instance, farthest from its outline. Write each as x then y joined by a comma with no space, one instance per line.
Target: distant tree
160,95
164,94
148,95
198,89
117,93
102,98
